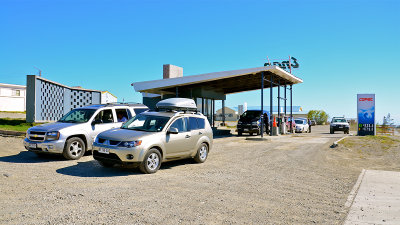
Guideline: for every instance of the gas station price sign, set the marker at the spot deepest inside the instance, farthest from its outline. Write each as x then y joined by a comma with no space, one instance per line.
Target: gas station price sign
366,114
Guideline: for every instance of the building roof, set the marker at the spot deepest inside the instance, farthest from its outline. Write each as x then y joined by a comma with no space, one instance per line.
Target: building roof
104,92
13,85
226,82
62,85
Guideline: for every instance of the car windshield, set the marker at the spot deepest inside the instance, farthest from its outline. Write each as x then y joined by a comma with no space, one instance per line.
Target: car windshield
300,121
148,123
78,116
339,120
251,114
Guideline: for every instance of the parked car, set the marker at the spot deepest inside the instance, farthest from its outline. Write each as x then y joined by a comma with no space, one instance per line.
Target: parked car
339,124
75,132
313,123
174,131
250,122
302,125
288,119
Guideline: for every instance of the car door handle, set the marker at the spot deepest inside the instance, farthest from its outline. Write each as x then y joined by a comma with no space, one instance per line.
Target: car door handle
200,133
187,136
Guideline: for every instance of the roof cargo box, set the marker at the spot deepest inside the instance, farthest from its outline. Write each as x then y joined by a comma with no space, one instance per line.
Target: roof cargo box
177,104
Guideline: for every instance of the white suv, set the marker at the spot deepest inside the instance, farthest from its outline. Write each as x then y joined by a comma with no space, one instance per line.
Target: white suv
339,124
75,132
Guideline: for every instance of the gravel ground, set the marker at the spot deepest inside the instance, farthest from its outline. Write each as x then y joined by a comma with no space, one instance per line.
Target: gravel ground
287,180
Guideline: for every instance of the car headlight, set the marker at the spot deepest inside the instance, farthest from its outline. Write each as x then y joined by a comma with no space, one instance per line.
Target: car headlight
130,144
54,135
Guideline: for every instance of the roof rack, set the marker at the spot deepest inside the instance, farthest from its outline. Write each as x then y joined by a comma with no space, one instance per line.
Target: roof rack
124,103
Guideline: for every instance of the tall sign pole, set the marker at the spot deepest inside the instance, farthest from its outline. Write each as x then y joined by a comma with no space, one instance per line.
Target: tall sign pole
366,114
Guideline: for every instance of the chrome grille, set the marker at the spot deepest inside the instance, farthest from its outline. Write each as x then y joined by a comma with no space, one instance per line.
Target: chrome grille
37,136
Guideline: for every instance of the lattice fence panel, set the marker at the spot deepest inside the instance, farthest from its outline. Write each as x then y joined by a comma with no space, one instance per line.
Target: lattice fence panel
51,100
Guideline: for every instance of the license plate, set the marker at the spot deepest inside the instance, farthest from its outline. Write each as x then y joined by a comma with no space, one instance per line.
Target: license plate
32,146
246,129
340,126
104,150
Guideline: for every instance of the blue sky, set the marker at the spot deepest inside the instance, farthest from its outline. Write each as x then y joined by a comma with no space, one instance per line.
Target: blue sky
343,47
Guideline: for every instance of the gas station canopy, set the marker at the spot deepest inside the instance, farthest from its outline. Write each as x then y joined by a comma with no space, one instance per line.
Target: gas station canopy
225,82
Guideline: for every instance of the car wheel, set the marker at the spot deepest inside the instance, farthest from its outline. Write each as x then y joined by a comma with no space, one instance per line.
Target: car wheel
332,131
202,153
151,162
74,148
105,164
239,133
251,134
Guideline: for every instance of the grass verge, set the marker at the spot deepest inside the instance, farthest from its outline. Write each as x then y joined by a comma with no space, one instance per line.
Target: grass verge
15,124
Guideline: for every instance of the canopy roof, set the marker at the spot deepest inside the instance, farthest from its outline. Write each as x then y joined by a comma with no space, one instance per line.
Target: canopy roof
226,82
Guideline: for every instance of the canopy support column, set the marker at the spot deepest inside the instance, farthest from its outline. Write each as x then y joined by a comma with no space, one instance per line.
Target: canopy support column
270,105
223,112
291,109
285,99
262,104
279,103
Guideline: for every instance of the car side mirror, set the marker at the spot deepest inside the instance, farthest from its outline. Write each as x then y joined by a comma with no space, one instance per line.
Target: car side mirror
173,130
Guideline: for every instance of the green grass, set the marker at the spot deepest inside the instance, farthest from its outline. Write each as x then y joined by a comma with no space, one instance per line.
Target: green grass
24,112
15,124
384,142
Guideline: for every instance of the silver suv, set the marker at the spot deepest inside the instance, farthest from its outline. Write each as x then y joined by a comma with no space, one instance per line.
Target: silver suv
173,132
75,132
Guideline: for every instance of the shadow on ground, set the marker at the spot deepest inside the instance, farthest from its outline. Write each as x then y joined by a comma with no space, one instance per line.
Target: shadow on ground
94,169
30,157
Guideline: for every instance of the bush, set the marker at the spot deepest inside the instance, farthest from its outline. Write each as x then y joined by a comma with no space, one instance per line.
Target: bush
320,116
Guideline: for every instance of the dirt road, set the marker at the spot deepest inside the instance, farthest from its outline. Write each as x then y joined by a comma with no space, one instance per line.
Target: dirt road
288,180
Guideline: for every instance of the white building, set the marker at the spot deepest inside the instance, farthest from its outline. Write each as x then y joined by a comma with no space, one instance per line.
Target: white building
12,97
107,97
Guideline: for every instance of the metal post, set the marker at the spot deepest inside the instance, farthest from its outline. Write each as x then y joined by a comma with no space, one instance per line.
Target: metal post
270,106
223,112
291,109
279,102
262,104
213,112
285,99
202,106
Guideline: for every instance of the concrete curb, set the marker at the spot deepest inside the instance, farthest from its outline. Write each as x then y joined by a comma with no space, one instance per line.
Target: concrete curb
336,143
11,133
353,193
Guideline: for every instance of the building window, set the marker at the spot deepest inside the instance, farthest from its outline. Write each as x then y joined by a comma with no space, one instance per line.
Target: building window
16,92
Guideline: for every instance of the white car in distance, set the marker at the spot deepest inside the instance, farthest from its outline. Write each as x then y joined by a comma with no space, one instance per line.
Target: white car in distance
302,125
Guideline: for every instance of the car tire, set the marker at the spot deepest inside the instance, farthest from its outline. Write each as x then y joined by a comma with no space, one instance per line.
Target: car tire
151,162
202,153
239,133
105,164
251,134
74,148
332,131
